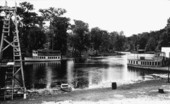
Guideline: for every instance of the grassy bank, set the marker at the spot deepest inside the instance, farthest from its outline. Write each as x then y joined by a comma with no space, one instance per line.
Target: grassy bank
145,91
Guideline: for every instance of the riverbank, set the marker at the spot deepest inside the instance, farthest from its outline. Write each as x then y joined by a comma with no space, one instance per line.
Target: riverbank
138,93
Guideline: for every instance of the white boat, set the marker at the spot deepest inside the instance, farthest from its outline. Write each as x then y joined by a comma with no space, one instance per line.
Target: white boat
44,55
156,61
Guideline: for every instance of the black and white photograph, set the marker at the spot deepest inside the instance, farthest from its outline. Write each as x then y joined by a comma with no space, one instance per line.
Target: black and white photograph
85,52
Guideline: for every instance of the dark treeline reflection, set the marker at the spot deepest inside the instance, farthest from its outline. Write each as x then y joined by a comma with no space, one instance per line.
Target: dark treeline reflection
44,74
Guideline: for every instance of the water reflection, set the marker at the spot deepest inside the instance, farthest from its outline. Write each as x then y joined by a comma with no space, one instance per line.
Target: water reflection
93,73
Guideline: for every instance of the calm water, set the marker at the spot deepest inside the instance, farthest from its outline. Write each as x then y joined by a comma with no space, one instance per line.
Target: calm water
93,73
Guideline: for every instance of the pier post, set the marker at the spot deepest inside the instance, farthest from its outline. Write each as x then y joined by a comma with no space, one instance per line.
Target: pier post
114,85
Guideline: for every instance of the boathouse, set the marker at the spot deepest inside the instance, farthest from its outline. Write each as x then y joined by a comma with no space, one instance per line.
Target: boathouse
166,50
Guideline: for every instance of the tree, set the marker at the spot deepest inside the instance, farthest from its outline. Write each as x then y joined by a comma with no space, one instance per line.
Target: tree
30,23
119,43
151,45
80,38
96,38
52,12
165,37
105,45
60,26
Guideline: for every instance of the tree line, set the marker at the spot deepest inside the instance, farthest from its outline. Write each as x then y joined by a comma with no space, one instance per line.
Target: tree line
77,38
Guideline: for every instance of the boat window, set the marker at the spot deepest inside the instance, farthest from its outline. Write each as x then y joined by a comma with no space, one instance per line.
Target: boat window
158,63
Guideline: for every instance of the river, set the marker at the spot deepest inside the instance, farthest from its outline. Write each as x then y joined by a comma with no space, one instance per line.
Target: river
96,72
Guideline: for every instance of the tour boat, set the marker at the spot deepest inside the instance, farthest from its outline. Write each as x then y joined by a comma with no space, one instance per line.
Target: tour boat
44,55
156,61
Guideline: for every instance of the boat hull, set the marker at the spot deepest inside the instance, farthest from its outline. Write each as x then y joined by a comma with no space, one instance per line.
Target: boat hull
165,68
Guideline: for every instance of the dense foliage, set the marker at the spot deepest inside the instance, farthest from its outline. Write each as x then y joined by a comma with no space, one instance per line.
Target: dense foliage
34,34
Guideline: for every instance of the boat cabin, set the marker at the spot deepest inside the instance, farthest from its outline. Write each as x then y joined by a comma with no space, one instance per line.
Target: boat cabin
157,61
44,55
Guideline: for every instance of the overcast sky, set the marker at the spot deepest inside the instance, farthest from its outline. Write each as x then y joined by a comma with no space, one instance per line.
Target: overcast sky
130,16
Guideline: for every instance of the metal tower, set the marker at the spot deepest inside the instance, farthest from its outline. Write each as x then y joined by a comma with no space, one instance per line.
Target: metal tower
13,68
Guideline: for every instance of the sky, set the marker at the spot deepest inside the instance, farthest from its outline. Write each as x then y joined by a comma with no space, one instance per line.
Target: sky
129,16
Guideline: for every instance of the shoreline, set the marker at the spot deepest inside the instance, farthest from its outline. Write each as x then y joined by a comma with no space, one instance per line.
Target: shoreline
146,90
